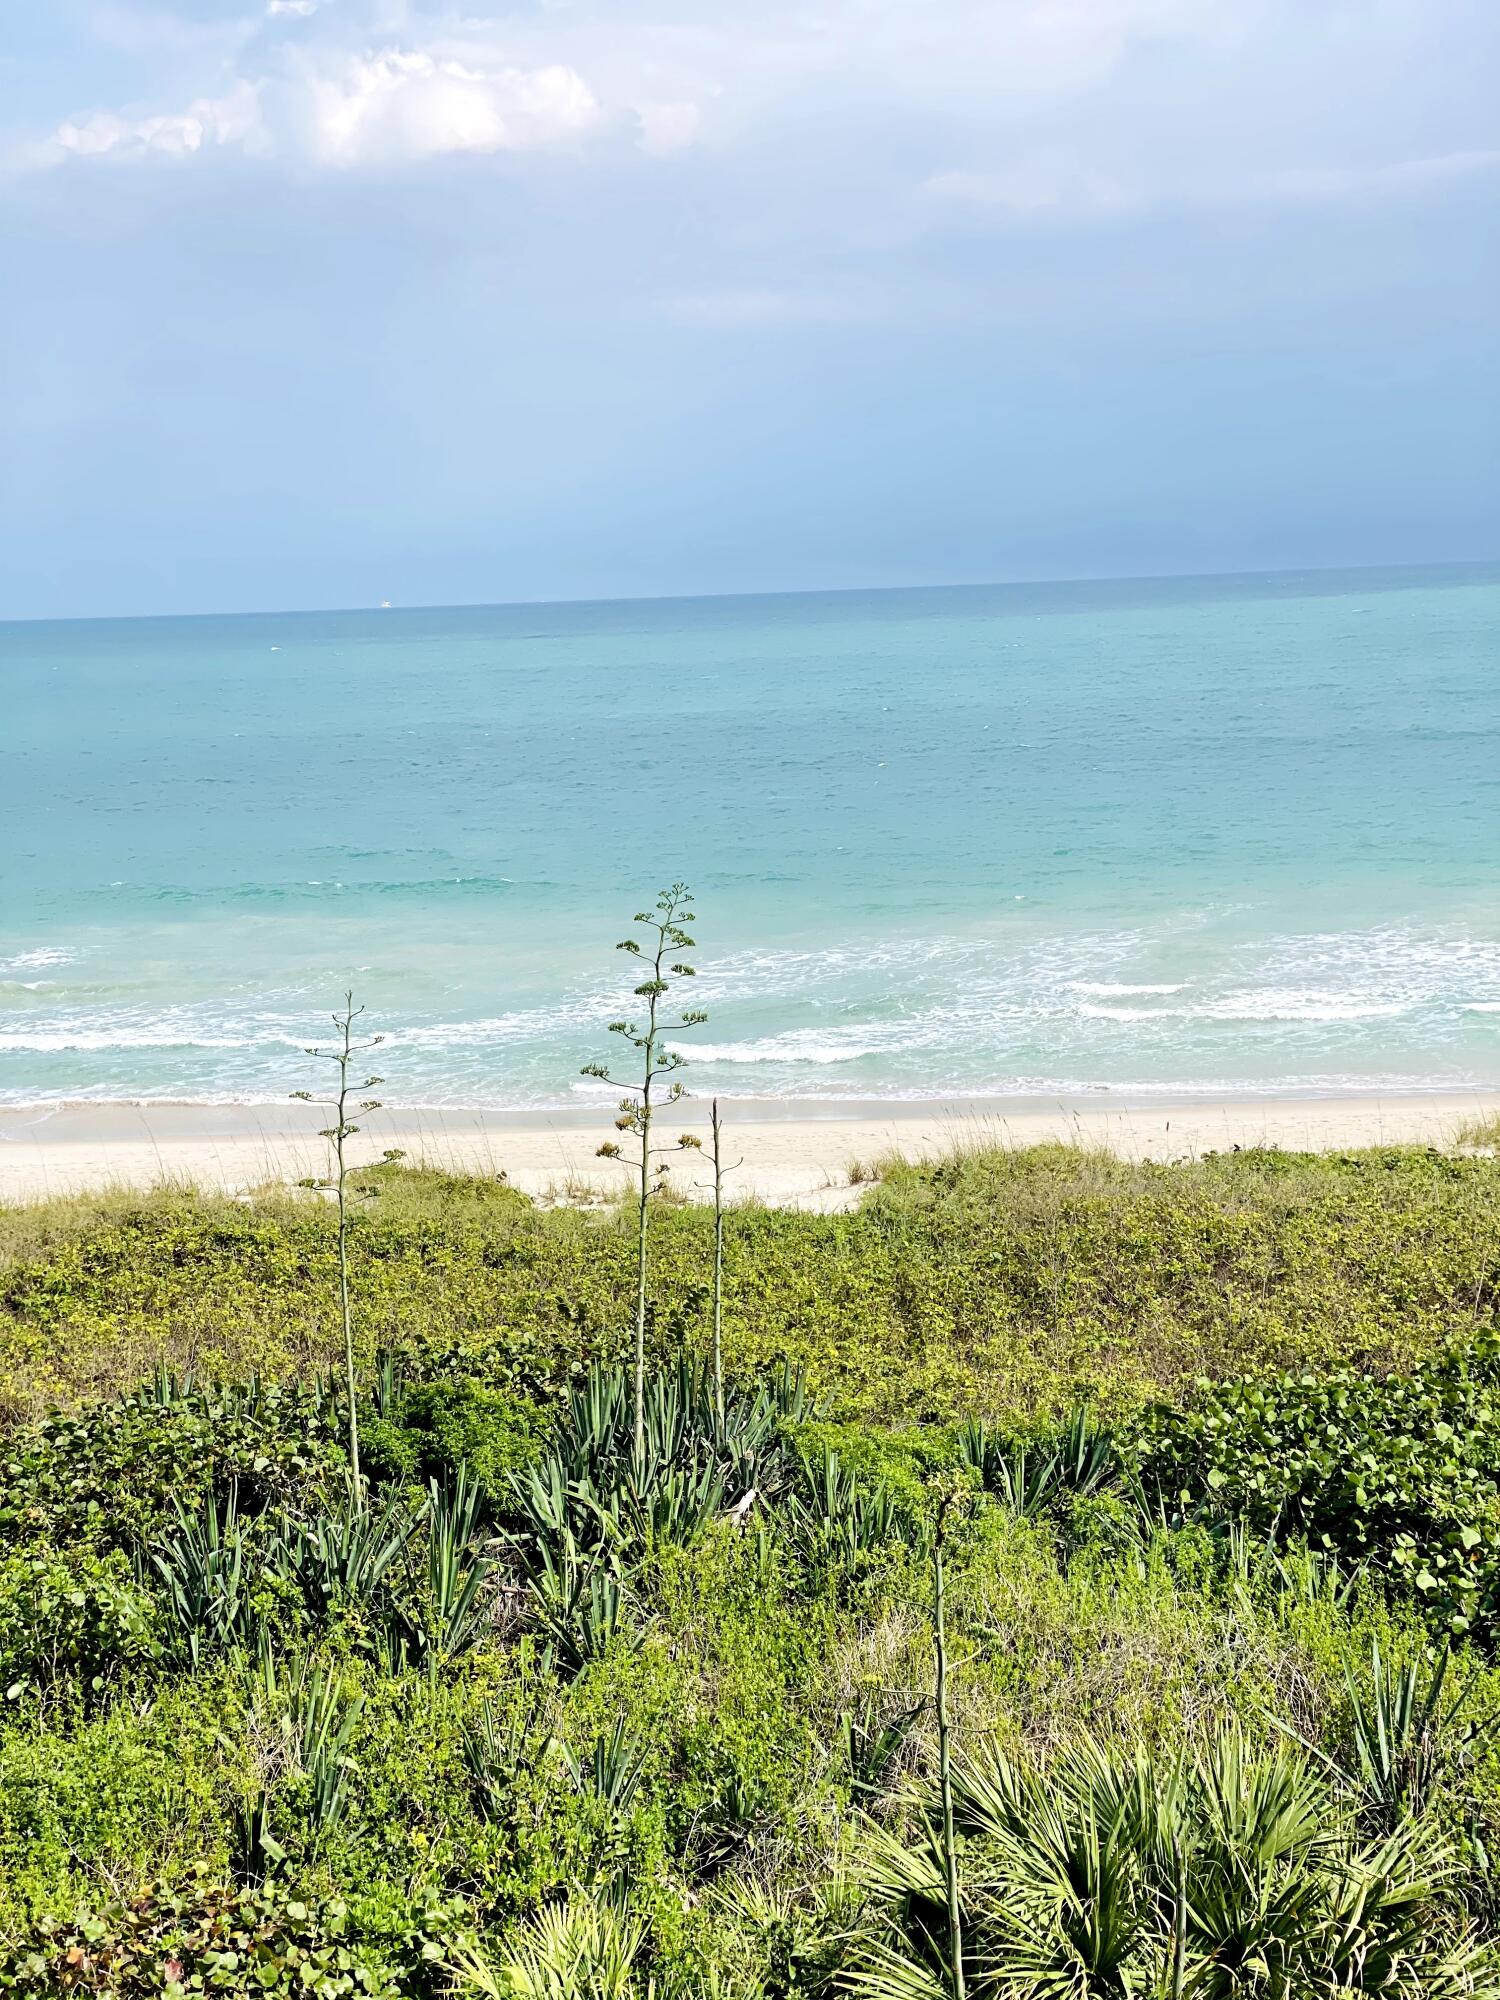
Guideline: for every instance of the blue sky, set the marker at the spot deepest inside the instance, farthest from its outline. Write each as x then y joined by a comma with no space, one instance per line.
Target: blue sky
318,302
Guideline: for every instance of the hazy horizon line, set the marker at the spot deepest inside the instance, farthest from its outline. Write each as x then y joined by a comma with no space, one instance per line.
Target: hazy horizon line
742,596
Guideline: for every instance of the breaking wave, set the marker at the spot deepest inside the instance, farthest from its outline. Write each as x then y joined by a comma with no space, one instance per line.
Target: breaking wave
1190,1004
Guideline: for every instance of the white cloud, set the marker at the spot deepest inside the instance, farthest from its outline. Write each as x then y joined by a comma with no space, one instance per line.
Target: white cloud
408,104
206,123
395,104
1041,109
359,85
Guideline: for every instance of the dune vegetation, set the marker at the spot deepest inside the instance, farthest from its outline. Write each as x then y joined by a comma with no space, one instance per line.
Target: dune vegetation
1195,1461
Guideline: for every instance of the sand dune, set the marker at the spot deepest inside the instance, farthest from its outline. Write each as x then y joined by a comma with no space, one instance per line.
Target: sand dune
793,1152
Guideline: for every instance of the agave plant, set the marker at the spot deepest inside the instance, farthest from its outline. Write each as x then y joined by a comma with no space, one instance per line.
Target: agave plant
579,1603
674,1510
164,1389
607,1778
836,1517
1030,1479
684,1430
342,1556
611,1772
313,1723
597,1506
318,1725
1406,1729
1405,1726
1316,1576
495,1753
205,1580
389,1384
458,1571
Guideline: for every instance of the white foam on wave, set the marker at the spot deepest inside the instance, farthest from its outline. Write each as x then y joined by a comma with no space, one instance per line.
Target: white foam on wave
39,959
1304,1006
1269,1007
60,1041
797,1045
1107,989
999,1012
1002,1090
530,1024
908,963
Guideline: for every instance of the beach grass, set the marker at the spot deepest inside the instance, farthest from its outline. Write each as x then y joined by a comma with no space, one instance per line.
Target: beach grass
990,1282
1212,1444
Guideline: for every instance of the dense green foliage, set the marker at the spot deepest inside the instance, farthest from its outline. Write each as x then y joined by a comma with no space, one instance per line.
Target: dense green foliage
543,1712
992,1284
1398,1470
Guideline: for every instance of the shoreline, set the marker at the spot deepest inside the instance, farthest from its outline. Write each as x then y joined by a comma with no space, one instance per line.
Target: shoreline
796,1152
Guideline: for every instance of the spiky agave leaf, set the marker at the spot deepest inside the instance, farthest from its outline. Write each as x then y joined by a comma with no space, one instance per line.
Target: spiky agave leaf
341,1556
1404,1727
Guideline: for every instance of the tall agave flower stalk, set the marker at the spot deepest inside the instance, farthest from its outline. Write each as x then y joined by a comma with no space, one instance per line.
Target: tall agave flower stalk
343,1056
721,1167
667,924
945,1748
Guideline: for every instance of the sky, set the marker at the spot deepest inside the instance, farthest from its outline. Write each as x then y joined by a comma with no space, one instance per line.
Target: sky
328,302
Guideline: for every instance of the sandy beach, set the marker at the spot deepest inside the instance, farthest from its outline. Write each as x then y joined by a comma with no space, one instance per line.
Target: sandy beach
793,1152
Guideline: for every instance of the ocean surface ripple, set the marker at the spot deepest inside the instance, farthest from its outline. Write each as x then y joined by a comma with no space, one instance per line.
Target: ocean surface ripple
1194,837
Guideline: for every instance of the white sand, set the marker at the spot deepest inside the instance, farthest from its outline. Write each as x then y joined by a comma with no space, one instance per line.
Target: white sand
793,1152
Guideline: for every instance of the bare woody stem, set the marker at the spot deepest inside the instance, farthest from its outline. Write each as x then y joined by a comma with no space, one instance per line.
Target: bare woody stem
643,1208
721,1167
945,1766
341,1130
718,1359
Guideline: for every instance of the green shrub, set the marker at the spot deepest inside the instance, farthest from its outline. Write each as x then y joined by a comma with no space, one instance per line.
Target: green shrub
118,1472
69,1612
209,1936
1002,1284
1398,1470
626,1678
445,1424
899,1461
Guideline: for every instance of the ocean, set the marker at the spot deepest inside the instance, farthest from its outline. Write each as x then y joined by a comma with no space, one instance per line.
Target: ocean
1172,838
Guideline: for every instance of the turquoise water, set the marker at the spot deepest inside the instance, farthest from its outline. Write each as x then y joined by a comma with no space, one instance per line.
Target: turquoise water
1207,835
